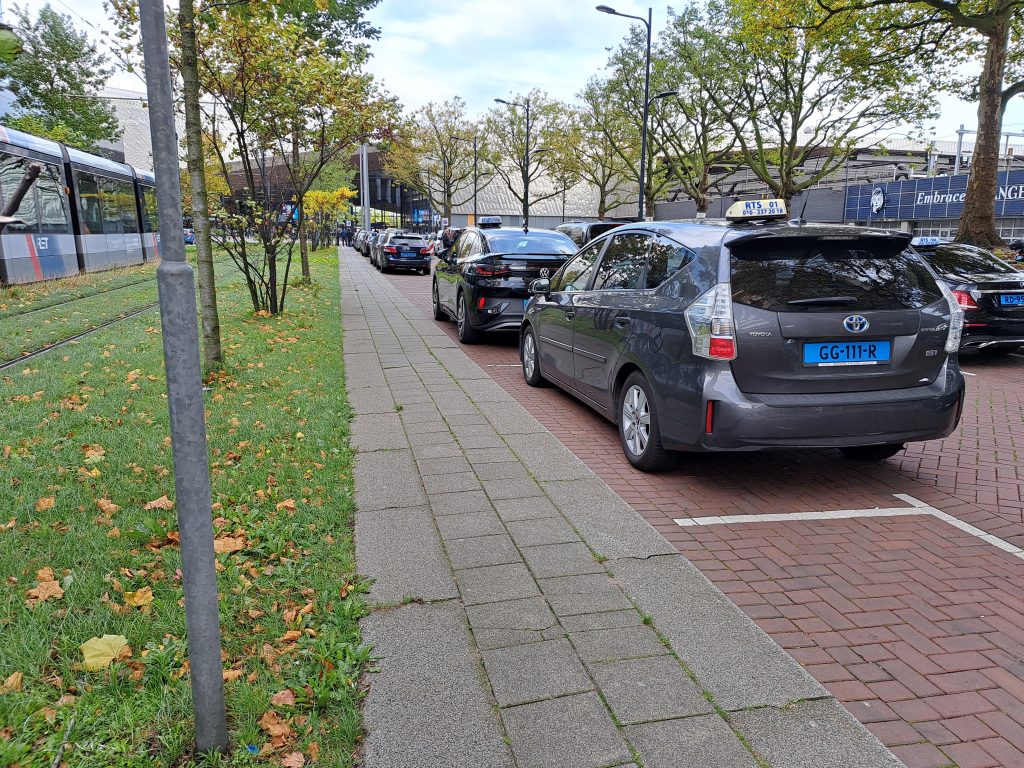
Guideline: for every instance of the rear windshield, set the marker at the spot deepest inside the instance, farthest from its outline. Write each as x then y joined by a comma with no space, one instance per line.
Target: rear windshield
531,243
403,240
780,275
965,260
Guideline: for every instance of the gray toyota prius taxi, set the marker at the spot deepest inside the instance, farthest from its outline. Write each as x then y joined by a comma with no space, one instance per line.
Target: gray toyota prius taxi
750,333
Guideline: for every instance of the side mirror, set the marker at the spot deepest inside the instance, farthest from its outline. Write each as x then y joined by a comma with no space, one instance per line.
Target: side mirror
541,285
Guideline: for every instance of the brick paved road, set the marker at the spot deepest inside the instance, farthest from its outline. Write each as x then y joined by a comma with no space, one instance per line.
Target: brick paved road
916,626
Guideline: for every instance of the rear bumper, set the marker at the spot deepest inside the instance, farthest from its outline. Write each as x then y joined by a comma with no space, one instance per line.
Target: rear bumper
499,314
749,422
996,332
423,263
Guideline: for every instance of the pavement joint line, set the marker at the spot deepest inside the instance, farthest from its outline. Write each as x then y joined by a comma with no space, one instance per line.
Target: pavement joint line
917,507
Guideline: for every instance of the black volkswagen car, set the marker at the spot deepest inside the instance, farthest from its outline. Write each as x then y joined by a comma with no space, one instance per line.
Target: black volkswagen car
402,250
483,279
747,335
989,290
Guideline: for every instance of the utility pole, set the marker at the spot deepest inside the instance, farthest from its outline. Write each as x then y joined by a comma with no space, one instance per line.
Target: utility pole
364,184
177,290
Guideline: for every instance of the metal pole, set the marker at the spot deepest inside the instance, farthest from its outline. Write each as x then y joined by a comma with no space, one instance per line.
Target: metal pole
526,178
177,291
959,148
643,127
474,180
846,186
364,183
14,201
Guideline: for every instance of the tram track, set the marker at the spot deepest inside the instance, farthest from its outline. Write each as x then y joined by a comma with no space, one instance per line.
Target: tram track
63,342
12,315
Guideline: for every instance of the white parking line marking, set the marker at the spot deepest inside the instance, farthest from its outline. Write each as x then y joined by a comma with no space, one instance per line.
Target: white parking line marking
967,373
917,507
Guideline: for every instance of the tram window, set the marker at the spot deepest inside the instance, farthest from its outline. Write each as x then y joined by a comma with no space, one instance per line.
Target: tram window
150,220
53,216
89,194
126,202
12,168
111,207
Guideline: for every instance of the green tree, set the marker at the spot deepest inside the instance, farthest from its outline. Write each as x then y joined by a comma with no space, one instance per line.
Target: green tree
595,160
56,81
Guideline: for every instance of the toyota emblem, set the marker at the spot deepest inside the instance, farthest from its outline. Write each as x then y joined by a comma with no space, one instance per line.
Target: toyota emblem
856,323
545,272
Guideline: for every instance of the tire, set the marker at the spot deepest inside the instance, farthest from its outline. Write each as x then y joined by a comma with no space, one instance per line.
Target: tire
425,271
439,313
872,452
639,428
467,334
530,357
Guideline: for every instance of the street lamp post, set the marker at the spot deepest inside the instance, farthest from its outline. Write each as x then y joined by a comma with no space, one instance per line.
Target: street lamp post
526,160
647,103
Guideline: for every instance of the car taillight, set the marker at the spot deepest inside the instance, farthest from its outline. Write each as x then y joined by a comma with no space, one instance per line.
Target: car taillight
709,319
491,270
390,249
425,250
956,318
965,300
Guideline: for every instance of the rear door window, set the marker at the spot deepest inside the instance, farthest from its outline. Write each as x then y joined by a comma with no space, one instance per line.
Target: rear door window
575,275
790,274
667,257
623,263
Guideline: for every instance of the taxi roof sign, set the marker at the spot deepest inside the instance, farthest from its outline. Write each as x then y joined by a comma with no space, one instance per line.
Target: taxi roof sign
754,210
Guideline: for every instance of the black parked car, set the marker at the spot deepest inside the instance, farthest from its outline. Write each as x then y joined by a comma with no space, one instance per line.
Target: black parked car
403,250
582,232
989,290
483,279
708,336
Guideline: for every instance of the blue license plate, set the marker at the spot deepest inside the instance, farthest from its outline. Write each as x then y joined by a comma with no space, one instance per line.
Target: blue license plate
832,353
1012,299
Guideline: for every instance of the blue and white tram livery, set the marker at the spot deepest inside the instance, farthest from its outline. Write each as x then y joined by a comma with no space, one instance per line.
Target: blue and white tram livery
84,213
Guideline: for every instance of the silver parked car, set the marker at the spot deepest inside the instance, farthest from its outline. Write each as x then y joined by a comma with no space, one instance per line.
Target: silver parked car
754,334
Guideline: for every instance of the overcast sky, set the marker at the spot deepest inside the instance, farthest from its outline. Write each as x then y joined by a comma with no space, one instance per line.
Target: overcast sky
431,50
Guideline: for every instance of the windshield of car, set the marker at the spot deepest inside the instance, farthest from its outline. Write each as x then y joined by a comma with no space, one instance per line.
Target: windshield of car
810,275
532,243
409,240
965,260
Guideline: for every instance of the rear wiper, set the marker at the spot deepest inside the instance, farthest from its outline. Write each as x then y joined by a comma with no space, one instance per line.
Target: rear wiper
825,301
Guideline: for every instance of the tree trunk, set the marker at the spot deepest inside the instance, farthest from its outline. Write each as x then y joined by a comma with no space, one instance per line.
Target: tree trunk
978,221
307,276
212,353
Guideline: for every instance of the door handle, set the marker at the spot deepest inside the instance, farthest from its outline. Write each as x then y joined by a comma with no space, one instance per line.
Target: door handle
570,314
622,321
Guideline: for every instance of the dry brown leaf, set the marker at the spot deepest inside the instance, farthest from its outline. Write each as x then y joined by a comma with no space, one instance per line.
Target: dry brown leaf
293,760
230,675
139,598
106,506
313,748
162,503
288,505
114,533
272,723
45,503
43,591
15,680
283,698
226,544
291,636
45,574
8,525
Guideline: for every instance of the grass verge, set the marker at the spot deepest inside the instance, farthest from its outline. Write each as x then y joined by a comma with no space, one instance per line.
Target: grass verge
88,546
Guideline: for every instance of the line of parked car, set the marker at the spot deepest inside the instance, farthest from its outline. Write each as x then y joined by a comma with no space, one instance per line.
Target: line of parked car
748,333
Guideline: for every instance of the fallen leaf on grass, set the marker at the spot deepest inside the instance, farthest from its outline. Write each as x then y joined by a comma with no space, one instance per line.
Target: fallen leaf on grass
94,453
230,675
8,525
98,652
288,505
106,506
162,503
114,533
226,544
139,598
314,750
43,591
45,503
283,698
14,682
293,760
291,636
278,729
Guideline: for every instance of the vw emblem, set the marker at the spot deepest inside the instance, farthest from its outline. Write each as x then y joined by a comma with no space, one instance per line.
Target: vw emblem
877,200
856,324
545,272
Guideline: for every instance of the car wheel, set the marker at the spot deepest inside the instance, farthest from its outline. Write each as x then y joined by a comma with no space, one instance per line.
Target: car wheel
531,359
639,429
439,313
467,334
872,452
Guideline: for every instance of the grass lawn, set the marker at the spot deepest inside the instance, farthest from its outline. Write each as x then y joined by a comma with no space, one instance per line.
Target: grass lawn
88,545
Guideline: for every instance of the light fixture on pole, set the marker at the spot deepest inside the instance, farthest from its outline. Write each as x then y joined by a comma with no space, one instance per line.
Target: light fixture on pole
647,90
526,160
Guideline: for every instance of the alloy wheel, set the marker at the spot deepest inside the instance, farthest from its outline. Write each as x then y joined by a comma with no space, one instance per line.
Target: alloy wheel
636,420
529,355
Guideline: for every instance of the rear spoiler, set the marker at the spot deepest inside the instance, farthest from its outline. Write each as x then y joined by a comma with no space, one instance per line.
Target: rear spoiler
837,234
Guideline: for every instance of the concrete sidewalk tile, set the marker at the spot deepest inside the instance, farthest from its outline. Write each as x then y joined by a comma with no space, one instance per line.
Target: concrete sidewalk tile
491,456
473,442
547,458
704,741
505,470
495,583
484,391
544,670
367,400
546,530
586,622
377,432
400,550
642,690
468,525
573,595
532,613
386,479
460,503
610,526
549,561
569,732
444,466
731,657
516,488
426,707
616,644
442,450
527,508
482,550
455,482
812,734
